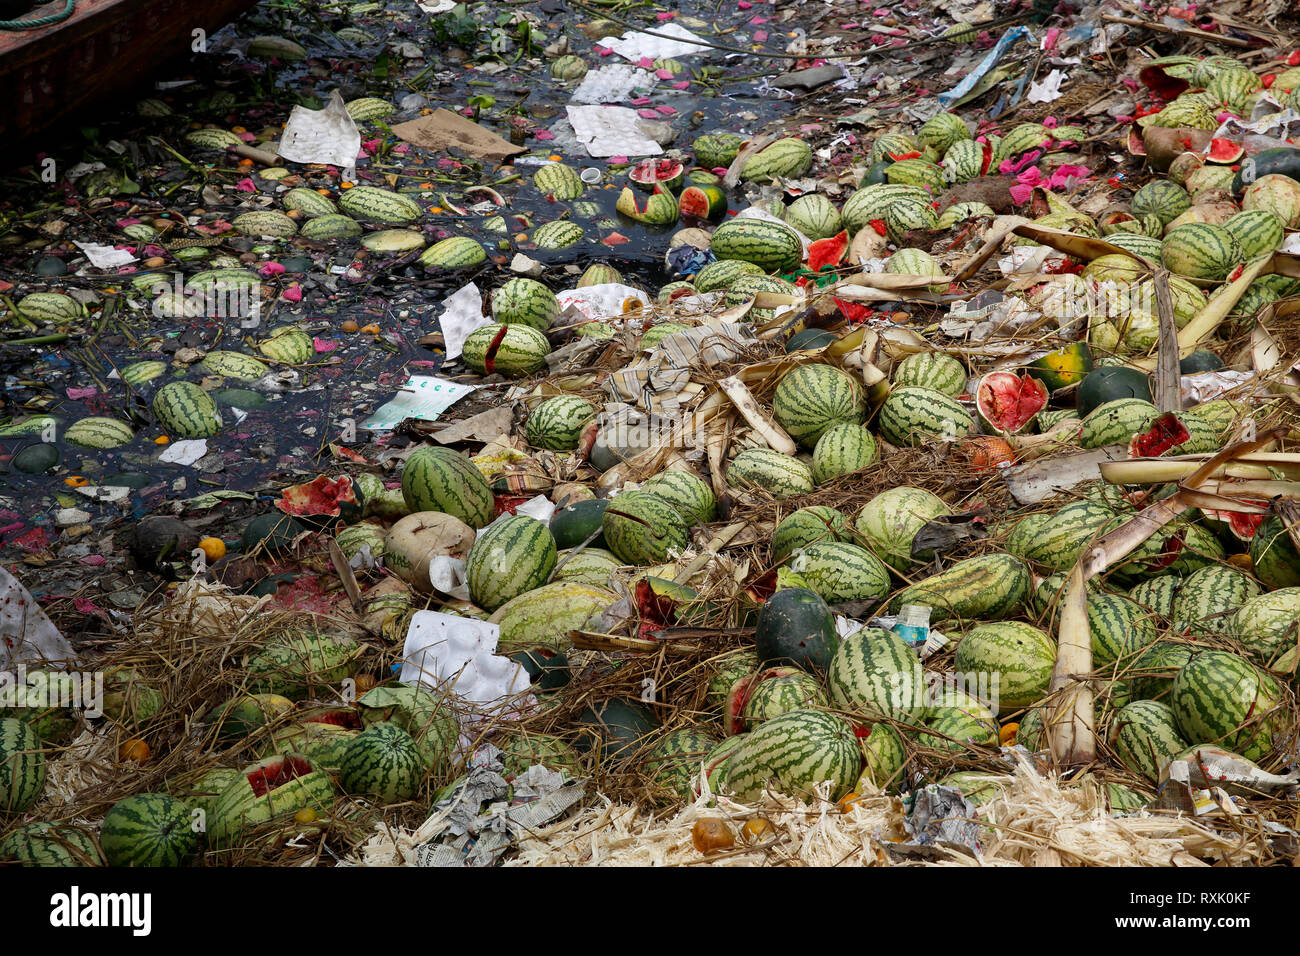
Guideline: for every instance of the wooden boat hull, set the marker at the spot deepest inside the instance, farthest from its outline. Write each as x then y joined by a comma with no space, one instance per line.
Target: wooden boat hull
52,75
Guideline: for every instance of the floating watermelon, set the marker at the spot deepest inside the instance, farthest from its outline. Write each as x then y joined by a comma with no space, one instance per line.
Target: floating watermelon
649,173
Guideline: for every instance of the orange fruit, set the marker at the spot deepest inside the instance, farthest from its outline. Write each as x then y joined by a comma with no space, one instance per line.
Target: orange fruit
134,750
711,835
848,800
306,815
364,682
76,481
988,451
349,325
214,548
1007,734
758,829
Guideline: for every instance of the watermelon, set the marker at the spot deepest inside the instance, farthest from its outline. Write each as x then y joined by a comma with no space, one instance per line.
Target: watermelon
913,415
915,262
148,829
22,766
1111,383
1056,541
575,523
544,616
102,433
593,566
235,365
906,215
840,572
960,212
673,763
779,475
1201,250
289,345
1120,628
1265,625
815,216
772,246
795,628
891,519
295,662
421,714
843,449
559,234
1007,404
1257,231
659,208
559,181
455,252
716,150
1208,598
51,845
958,722
687,492
439,479
1163,199
265,223
793,753
723,273
884,754
511,350
916,172
384,762
806,526
521,751
649,173
1157,594
789,157
1222,698
811,398
334,226
942,130
184,410
557,423
272,789
51,307
568,67
1116,422
1151,674
615,729
512,556
642,528
1145,737
378,205
888,145
1274,556
1277,194
522,301
989,586
1018,657
875,673
780,691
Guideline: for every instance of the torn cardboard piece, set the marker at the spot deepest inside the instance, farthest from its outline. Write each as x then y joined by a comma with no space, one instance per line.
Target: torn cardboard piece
443,130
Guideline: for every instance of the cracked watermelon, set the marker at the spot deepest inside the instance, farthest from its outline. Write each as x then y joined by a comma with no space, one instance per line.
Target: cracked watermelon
1007,404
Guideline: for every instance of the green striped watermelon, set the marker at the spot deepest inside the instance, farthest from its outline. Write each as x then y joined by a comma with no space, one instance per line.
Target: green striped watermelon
673,763
186,411
523,301
1056,541
559,181
884,755
779,691
333,226
513,556
265,223
1201,250
309,202
723,273
891,519
989,586
779,475
642,528
815,216
383,762
843,449
100,433
957,722
439,479
1265,624
138,373
687,492
942,130
716,150
289,345
511,350
806,526
454,252
905,215
1219,697
811,398
148,829
840,572
557,423
1257,231
1120,628
22,766
1145,737
378,205
1274,556
913,415
592,566
544,616
235,365
1163,199
50,845
1115,422
51,307
786,157
274,788
875,673
1151,674
1157,594
1021,656
793,753
519,751
558,234
773,246
421,714
1208,598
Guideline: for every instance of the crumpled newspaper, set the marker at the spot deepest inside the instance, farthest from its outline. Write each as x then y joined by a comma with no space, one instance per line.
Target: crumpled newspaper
466,834
941,816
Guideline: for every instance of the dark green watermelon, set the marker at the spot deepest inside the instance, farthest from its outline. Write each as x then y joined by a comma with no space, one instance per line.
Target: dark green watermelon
1202,360
1109,383
617,727
796,629
572,524
809,339
546,669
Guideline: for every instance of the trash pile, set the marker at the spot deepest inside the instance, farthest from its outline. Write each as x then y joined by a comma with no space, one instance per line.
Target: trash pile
890,456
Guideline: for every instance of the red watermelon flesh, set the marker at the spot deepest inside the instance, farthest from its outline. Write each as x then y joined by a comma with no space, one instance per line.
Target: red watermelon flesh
273,774
1224,151
733,717
651,172
828,252
1007,403
1166,432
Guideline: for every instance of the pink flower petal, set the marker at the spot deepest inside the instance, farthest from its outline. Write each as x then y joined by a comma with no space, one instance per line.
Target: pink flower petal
647,114
246,185
646,62
682,85
603,51
745,5
760,36
640,101
292,294
665,74
665,15
618,160
324,345
77,394
544,135
271,269
1021,193
666,110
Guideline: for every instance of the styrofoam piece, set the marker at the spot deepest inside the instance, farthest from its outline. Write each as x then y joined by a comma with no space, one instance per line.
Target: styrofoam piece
444,650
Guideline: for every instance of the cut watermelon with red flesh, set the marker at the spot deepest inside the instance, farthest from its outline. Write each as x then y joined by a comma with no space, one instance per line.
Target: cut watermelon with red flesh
657,172
733,717
275,774
702,202
339,718
1224,151
828,252
490,356
1136,146
1243,527
1007,403
1166,432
